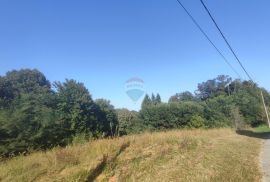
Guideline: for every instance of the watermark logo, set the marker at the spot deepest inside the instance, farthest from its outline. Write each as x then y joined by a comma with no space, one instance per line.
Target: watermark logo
134,88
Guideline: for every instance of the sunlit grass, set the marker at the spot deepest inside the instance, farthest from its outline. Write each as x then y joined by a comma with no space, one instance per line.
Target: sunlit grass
262,129
180,155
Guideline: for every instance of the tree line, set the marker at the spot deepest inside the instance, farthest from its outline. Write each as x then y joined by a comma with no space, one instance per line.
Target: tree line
218,102
36,114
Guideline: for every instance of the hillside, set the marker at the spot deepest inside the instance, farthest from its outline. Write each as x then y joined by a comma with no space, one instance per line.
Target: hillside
180,155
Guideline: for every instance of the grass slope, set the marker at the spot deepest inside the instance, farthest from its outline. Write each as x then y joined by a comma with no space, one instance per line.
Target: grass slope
181,155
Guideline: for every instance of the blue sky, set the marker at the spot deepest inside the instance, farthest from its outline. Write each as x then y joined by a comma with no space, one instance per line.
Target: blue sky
104,43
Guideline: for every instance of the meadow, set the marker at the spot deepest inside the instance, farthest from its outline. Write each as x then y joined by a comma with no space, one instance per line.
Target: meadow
178,155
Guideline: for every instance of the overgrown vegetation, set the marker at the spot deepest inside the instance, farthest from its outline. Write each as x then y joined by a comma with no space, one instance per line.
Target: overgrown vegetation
183,155
36,114
221,102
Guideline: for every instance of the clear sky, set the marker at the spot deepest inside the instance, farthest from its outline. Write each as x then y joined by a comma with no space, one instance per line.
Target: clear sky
104,43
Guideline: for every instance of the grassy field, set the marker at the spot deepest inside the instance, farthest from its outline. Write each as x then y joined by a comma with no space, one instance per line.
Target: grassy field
181,155
262,129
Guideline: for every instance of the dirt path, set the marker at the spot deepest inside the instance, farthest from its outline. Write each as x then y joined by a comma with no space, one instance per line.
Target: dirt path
265,160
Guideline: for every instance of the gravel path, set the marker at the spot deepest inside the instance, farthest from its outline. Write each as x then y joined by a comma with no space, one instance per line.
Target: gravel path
265,160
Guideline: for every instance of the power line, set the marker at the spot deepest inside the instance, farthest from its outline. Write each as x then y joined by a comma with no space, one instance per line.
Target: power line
236,57
207,37
225,39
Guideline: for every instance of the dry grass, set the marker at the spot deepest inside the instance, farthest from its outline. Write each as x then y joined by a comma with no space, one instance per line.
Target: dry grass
184,155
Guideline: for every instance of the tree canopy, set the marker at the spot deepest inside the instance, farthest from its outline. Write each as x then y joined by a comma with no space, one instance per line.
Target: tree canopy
33,115
37,115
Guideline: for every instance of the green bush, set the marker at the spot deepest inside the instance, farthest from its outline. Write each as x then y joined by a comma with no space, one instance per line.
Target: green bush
196,122
172,115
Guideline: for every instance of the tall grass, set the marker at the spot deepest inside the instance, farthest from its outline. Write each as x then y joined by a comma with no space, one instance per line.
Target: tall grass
180,155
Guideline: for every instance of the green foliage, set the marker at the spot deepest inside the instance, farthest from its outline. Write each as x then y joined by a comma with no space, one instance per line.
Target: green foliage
28,118
222,94
154,100
80,138
158,99
107,118
223,103
6,93
237,119
262,129
75,107
248,99
33,116
217,111
172,115
184,96
129,122
196,122
214,87
146,101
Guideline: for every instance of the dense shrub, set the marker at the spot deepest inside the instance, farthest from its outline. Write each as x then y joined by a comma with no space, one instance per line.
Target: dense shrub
172,115
196,122
129,122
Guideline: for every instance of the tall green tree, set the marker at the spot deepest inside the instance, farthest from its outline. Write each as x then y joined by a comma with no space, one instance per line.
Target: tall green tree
27,81
214,87
158,99
153,99
27,107
146,101
76,107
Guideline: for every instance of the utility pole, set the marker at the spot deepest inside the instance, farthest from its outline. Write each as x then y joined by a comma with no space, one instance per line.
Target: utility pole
266,112
236,57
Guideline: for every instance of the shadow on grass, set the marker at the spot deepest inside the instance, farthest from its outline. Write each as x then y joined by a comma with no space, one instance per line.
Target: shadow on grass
250,133
105,161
